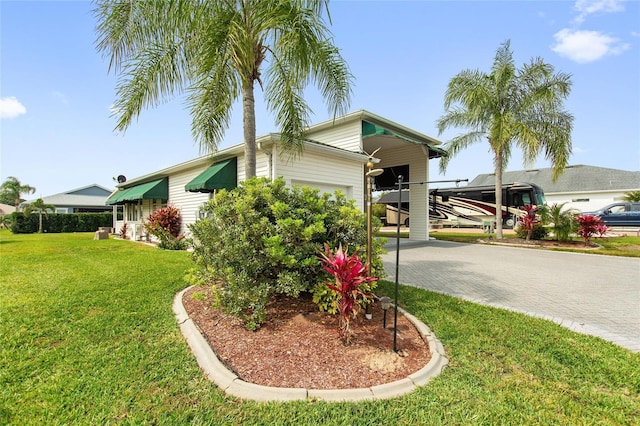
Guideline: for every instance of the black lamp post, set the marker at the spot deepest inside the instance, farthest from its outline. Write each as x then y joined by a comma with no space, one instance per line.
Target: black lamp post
395,306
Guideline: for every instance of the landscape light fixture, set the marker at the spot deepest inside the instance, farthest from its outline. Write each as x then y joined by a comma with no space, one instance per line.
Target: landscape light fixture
385,301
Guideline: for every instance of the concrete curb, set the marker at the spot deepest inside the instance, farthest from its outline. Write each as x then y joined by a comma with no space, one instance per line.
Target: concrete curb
226,380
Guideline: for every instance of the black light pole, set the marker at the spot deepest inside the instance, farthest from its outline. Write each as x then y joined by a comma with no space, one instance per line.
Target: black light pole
395,306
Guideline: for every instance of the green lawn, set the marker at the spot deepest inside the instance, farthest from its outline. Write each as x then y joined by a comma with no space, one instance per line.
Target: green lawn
87,336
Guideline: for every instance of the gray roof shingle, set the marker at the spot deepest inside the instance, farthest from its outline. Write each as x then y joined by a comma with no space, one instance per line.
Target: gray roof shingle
574,179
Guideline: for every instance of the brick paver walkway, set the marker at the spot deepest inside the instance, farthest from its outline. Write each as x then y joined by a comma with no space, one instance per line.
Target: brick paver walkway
593,294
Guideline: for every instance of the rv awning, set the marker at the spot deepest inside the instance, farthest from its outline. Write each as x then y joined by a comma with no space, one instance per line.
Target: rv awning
222,175
155,190
370,130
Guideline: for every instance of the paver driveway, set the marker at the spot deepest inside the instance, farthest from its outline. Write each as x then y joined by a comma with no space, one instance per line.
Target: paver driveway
593,294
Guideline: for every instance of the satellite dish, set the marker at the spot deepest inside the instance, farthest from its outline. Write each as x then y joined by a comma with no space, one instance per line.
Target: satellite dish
121,179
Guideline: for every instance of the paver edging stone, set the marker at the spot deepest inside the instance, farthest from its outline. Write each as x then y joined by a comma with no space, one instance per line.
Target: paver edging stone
229,382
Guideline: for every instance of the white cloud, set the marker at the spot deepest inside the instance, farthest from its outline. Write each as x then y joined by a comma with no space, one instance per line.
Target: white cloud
11,107
588,7
586,46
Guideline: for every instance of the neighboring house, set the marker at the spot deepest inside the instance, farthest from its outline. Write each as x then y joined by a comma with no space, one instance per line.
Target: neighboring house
584,188
6,209
88,199
334,158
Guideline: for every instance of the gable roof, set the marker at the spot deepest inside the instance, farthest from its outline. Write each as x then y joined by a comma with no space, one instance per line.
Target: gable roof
86,196
578,178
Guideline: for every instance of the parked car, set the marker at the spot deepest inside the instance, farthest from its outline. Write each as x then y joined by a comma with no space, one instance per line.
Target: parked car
619,214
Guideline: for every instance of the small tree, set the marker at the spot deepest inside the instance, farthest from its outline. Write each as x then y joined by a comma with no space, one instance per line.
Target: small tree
349,275
40,207
563,222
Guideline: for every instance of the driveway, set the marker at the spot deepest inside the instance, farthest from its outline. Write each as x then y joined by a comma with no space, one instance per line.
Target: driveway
592,294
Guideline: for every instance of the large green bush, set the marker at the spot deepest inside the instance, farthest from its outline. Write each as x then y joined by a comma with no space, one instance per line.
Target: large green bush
264,238
59,222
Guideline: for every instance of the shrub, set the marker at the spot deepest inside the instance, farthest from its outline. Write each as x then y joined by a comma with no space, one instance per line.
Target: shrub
166,220
60,222
529,221
123,231
349,275
588,226
262,239
563,222
538,232
165,224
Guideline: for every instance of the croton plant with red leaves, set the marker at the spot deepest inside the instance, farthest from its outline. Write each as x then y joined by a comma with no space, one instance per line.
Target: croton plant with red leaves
349,273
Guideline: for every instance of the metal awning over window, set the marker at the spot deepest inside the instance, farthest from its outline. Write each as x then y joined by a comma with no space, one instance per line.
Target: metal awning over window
155,190
370,130
222,175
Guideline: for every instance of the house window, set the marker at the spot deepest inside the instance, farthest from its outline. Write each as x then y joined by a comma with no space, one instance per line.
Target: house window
132,212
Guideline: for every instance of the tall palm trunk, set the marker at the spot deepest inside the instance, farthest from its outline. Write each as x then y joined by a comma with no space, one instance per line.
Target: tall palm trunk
249,123
499,195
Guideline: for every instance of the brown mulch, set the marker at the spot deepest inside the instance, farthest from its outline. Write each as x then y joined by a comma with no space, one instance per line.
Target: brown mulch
299,347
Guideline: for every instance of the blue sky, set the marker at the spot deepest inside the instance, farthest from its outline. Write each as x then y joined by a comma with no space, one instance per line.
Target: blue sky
55,91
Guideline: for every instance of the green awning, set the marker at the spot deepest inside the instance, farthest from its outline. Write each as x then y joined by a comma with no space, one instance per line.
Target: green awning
370,130
222,175
155,190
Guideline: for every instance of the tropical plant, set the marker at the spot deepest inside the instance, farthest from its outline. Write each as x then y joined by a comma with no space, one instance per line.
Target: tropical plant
167,219
562,221
216,51
349,275
123,231
632,196
509,105
40,207
262,239
11,191
165,225
588,226
529,220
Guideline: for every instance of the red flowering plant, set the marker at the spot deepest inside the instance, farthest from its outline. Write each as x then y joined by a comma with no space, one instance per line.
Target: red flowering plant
589,226
349,273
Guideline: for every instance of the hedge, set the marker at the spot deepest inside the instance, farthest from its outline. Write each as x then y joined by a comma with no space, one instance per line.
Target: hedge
59,222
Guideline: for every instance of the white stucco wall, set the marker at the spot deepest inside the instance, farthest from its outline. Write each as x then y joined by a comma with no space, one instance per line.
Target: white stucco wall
585,201
418,172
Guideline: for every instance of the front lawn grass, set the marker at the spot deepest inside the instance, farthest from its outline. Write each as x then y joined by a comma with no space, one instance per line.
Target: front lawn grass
88,336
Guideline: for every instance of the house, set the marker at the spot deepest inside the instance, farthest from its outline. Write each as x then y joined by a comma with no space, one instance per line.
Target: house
88,199
583,188
334,158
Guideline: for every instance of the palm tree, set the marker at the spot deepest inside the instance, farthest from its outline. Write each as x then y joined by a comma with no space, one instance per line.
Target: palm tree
632,196
506,106
216,51
40,207
11,191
